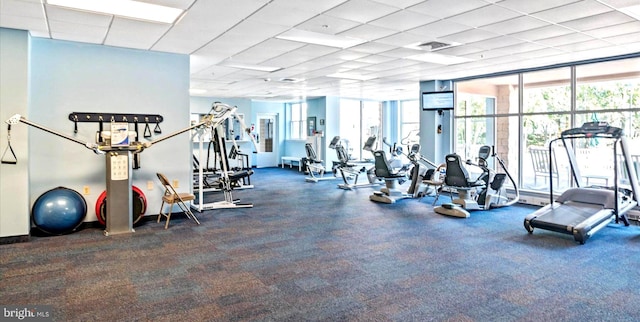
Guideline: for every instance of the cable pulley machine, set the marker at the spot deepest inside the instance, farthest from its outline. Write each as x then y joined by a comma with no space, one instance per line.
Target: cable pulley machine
119,149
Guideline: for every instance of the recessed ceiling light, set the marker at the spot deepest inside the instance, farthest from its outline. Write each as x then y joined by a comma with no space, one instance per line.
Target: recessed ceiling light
260,68
123,8
317,38
351,76
440,59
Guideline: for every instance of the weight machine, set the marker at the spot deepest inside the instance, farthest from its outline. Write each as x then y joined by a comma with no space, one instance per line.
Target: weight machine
119,151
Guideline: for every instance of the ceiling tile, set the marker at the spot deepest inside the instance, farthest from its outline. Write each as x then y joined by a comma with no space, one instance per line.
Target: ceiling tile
438,29
598,21
19,8
37,25
205,21
272,13
621,29
469,36
564,39
361,10
78,17
496,42
267,49
300,55
95,32
146,34
621,3
459,50
313,5
624,39
79,37
445,8
375,59
585,45
368,32
401,39
401,52
514,25
403,20
543,32
533,6
402,4
484,16
493,53
576,10
327,24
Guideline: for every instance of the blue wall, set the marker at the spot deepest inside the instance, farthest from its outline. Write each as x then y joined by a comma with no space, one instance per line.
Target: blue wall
73,77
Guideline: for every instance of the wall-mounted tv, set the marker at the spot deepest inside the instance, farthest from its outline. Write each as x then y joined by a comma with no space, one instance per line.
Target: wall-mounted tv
437,101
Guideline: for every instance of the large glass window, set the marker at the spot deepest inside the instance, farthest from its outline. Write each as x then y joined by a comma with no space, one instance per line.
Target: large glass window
608,92
298,121
409,118
358,121
547,91
478,103
489,112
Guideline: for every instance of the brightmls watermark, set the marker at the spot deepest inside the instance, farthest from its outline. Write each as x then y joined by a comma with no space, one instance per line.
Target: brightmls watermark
26,313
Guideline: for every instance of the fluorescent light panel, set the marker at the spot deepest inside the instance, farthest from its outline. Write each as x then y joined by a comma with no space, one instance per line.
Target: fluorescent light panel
123,8
318,38
260,68
440,59
351,76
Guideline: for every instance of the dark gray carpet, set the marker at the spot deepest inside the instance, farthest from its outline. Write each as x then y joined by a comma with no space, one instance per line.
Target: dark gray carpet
312,252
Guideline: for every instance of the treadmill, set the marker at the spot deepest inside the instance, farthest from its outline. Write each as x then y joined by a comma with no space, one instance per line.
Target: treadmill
582,211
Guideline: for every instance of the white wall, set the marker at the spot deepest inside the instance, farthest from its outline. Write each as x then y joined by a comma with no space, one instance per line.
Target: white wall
14,81
71,77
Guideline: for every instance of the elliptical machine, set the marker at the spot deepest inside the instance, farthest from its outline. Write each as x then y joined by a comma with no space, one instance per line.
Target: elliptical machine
486,192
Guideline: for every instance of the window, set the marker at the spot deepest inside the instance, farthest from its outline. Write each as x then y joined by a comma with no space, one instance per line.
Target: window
478,104
409,118
298,121
358,121
520,124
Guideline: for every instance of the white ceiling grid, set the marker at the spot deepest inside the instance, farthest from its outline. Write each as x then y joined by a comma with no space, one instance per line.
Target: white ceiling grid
225,38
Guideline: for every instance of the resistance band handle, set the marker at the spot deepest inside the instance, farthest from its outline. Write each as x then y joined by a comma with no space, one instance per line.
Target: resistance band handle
9,148
147,131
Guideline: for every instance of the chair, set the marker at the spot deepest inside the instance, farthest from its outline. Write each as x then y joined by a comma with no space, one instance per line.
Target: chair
540,161
171,197
435,178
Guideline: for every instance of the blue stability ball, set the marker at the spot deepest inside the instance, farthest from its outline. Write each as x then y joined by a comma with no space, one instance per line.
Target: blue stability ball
59,211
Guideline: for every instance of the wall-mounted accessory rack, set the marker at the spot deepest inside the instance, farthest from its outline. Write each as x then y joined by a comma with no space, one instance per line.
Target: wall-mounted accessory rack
115,117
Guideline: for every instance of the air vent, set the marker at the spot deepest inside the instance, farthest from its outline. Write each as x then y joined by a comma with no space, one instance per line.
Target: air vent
433,45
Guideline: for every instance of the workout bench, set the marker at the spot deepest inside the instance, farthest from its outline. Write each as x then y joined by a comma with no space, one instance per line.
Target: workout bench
290,161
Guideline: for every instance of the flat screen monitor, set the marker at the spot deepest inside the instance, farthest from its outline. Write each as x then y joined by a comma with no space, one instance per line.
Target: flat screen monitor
437,101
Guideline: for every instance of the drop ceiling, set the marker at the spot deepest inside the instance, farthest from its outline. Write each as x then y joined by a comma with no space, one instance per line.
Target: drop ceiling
369,49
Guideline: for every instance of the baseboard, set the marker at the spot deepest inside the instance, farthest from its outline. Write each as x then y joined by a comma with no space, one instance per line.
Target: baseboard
14,239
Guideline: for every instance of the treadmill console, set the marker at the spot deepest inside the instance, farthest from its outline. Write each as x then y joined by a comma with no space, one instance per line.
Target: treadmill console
593,129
